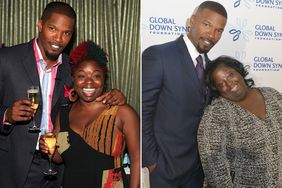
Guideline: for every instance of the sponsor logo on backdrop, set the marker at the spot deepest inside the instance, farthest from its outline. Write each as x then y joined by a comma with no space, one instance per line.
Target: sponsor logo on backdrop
276,4
260,31
247,3
273,4
259,63
241,30
264,63
164,26
267,32
240,55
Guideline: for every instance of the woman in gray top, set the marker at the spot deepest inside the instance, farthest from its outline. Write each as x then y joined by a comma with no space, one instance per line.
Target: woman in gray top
240,135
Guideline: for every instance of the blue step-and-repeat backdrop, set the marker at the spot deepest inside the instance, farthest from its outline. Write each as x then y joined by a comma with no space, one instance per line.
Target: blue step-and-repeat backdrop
253,33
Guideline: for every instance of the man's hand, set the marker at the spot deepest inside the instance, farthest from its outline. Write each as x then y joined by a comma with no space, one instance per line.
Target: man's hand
112,97
19,111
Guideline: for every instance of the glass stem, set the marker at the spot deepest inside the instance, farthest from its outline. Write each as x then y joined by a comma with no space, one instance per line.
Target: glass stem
50,161
33,123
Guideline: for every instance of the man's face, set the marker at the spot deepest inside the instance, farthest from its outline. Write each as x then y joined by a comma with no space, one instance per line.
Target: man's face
54,35
206,28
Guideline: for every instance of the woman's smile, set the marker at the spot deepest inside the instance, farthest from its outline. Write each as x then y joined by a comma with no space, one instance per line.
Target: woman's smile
88,91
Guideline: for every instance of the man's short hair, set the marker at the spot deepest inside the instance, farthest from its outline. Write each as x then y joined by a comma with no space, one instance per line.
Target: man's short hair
214,6
58,7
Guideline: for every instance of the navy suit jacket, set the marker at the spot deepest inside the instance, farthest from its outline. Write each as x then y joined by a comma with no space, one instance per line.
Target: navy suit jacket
172,106
18,71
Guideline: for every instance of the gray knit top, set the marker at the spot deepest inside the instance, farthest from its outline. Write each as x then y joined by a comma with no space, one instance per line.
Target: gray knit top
238,149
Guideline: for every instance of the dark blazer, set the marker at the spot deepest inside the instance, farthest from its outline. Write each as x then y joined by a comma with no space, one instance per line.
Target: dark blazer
18,71
172,105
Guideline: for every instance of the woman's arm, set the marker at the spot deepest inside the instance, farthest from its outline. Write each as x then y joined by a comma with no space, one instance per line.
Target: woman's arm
131,130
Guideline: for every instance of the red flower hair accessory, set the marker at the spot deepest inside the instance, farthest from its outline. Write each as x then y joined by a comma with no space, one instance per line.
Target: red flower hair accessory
89,50
79,53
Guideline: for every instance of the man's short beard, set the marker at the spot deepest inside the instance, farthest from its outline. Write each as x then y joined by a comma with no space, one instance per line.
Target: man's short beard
52,57
202,51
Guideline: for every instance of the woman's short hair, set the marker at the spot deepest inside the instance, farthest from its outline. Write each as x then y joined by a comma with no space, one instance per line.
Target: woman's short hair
88,50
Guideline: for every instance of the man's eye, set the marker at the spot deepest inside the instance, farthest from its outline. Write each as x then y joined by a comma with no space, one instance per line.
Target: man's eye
206,24
220,31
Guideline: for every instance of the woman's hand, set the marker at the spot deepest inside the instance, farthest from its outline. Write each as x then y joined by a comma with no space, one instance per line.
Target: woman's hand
42,145
112,97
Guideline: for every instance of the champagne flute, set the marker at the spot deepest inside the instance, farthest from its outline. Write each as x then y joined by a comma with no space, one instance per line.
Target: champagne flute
50,140
32,94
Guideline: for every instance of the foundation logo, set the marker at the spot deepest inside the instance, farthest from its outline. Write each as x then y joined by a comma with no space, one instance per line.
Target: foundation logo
240,55
247,3
276,4
261,63
164,26
272,4
267,32
241,30
259,31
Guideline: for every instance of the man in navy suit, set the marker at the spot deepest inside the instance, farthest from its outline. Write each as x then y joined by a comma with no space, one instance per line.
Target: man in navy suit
40,62
173,100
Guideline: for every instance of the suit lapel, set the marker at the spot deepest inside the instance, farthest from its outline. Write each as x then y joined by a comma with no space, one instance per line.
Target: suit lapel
29,64
59,81
30,67
188,63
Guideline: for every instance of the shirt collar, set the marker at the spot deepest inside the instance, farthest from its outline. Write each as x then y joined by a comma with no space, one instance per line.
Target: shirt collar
39,57
192,50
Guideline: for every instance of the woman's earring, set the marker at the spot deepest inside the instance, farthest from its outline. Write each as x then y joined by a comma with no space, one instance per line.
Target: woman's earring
72,95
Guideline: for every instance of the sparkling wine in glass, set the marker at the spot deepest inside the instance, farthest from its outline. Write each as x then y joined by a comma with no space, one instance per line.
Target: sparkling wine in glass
33,95
50,140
